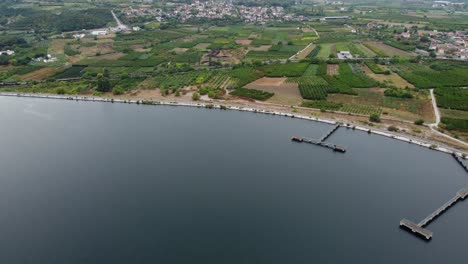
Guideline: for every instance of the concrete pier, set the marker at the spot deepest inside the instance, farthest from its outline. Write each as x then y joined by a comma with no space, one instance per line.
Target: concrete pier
419,228
321,142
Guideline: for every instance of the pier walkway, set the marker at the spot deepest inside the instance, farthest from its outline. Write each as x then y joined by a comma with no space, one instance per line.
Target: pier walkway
459,159
321,142
419,228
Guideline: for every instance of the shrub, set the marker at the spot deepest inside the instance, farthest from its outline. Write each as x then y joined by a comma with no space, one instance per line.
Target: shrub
393,129
374,118
419,122
195,96
118,90
398,93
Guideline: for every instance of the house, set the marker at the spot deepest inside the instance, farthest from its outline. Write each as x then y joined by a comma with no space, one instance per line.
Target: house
342,55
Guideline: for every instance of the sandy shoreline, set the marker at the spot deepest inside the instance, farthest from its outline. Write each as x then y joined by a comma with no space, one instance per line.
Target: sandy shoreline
405,138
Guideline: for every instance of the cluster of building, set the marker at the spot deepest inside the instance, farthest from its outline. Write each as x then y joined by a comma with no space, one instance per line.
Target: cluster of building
131,12
263,14
206,9
450,44
437,4
47,59
214,9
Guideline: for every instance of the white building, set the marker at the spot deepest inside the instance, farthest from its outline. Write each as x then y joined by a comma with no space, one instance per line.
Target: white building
342,55
99,32
7,52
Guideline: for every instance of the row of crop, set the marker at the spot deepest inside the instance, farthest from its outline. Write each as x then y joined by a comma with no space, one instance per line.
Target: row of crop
342,107
244,75
347,76
455,124
375,50
452,98
374,67
315,51
252,93
314,91
433,79
400,45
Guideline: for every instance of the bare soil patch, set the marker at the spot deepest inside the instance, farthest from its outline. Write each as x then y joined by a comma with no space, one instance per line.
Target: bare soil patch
40,74
140,48
244,42
201,46
389,50
285,93
180,50
266,81
57,46
332,69
260,48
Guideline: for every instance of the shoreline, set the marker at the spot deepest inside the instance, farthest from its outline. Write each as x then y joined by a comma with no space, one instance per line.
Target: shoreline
429,145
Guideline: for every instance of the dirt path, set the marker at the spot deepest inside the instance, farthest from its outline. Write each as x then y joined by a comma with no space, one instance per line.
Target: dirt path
434,126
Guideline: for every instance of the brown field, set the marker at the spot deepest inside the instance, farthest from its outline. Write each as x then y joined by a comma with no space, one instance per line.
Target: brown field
40,74
180,50
103,47
140,48
202,46
108,36
112,56
57,46
244,42
390,51
332,69
285,93
391,79
305,52
260,48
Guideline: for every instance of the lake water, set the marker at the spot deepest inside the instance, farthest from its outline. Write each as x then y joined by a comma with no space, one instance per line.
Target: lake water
95,183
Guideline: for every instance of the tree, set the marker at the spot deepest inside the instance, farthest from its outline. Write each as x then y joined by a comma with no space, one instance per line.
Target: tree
374,118
195,96
103,84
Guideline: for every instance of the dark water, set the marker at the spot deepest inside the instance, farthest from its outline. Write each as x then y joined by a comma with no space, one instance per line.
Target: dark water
108,183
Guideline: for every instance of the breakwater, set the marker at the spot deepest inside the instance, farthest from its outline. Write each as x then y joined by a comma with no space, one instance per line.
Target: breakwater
239,108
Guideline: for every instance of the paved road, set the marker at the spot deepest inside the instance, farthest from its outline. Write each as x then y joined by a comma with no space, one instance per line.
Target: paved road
119,23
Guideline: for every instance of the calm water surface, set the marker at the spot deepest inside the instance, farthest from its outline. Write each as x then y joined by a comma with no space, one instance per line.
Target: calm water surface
84,182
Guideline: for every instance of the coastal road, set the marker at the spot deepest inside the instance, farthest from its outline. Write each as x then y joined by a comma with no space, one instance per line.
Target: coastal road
434,126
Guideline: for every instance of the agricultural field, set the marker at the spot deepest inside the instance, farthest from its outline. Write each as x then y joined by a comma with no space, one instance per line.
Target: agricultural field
382,49
284,92
434,74
390,80
325,51
253,60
